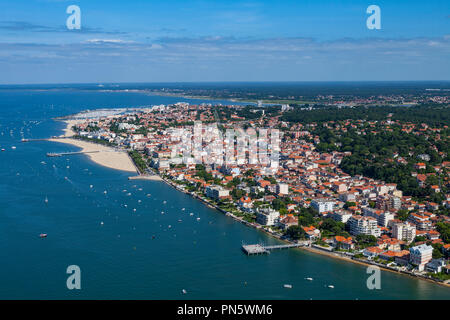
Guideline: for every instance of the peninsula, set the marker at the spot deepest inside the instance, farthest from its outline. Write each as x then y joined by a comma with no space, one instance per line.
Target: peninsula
320,191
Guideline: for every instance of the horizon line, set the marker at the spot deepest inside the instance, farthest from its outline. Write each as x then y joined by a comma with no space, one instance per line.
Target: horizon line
219,82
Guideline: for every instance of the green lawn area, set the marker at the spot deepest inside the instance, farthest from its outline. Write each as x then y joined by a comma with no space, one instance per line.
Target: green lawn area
440,276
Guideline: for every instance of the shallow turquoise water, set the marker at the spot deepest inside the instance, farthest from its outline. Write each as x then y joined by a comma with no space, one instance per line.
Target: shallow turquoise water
119,259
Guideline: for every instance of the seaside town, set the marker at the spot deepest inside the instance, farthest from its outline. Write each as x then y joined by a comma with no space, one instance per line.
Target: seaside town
311,193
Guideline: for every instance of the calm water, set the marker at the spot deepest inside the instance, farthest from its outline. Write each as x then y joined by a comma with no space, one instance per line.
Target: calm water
119,259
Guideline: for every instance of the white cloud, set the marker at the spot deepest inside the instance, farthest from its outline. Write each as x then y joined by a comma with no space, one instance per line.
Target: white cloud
100,41
229,58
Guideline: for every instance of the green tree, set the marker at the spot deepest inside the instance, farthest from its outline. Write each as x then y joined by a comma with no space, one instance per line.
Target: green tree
296,233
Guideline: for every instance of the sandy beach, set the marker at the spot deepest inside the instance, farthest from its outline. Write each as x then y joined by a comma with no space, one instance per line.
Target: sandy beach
106,156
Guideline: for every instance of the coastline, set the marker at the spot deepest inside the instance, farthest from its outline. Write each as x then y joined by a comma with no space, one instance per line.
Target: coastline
367,263
120,160
106,156
314,250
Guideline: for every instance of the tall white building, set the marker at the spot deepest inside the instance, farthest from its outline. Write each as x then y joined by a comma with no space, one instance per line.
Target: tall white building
364,225
322,205
396,203
384,218
282,188
421,255
404,231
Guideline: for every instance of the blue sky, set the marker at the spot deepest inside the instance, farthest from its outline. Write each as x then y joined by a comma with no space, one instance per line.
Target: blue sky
176,41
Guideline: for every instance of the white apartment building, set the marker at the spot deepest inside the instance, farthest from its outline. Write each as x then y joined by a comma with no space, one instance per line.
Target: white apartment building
404,231
282,188
323,205
382,218
364,225
267,216
216,192
421,255
341,216
396,203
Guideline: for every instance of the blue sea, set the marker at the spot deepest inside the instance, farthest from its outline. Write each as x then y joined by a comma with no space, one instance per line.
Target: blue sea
144,253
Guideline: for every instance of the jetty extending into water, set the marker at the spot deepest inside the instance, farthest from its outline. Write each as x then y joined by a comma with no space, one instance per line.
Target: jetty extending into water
251,249
43,139
60,154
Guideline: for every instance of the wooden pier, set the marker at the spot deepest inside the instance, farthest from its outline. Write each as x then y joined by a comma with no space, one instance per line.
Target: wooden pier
31,140
51,154
42,139
252,249
284,246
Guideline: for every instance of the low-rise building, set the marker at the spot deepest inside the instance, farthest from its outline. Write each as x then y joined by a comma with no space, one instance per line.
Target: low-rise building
435,265
402,258
312,233
341,215
372,252
421,221
343,243
287,221
217,192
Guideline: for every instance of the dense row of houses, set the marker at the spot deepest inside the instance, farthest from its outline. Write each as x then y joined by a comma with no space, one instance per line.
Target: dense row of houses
303,175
